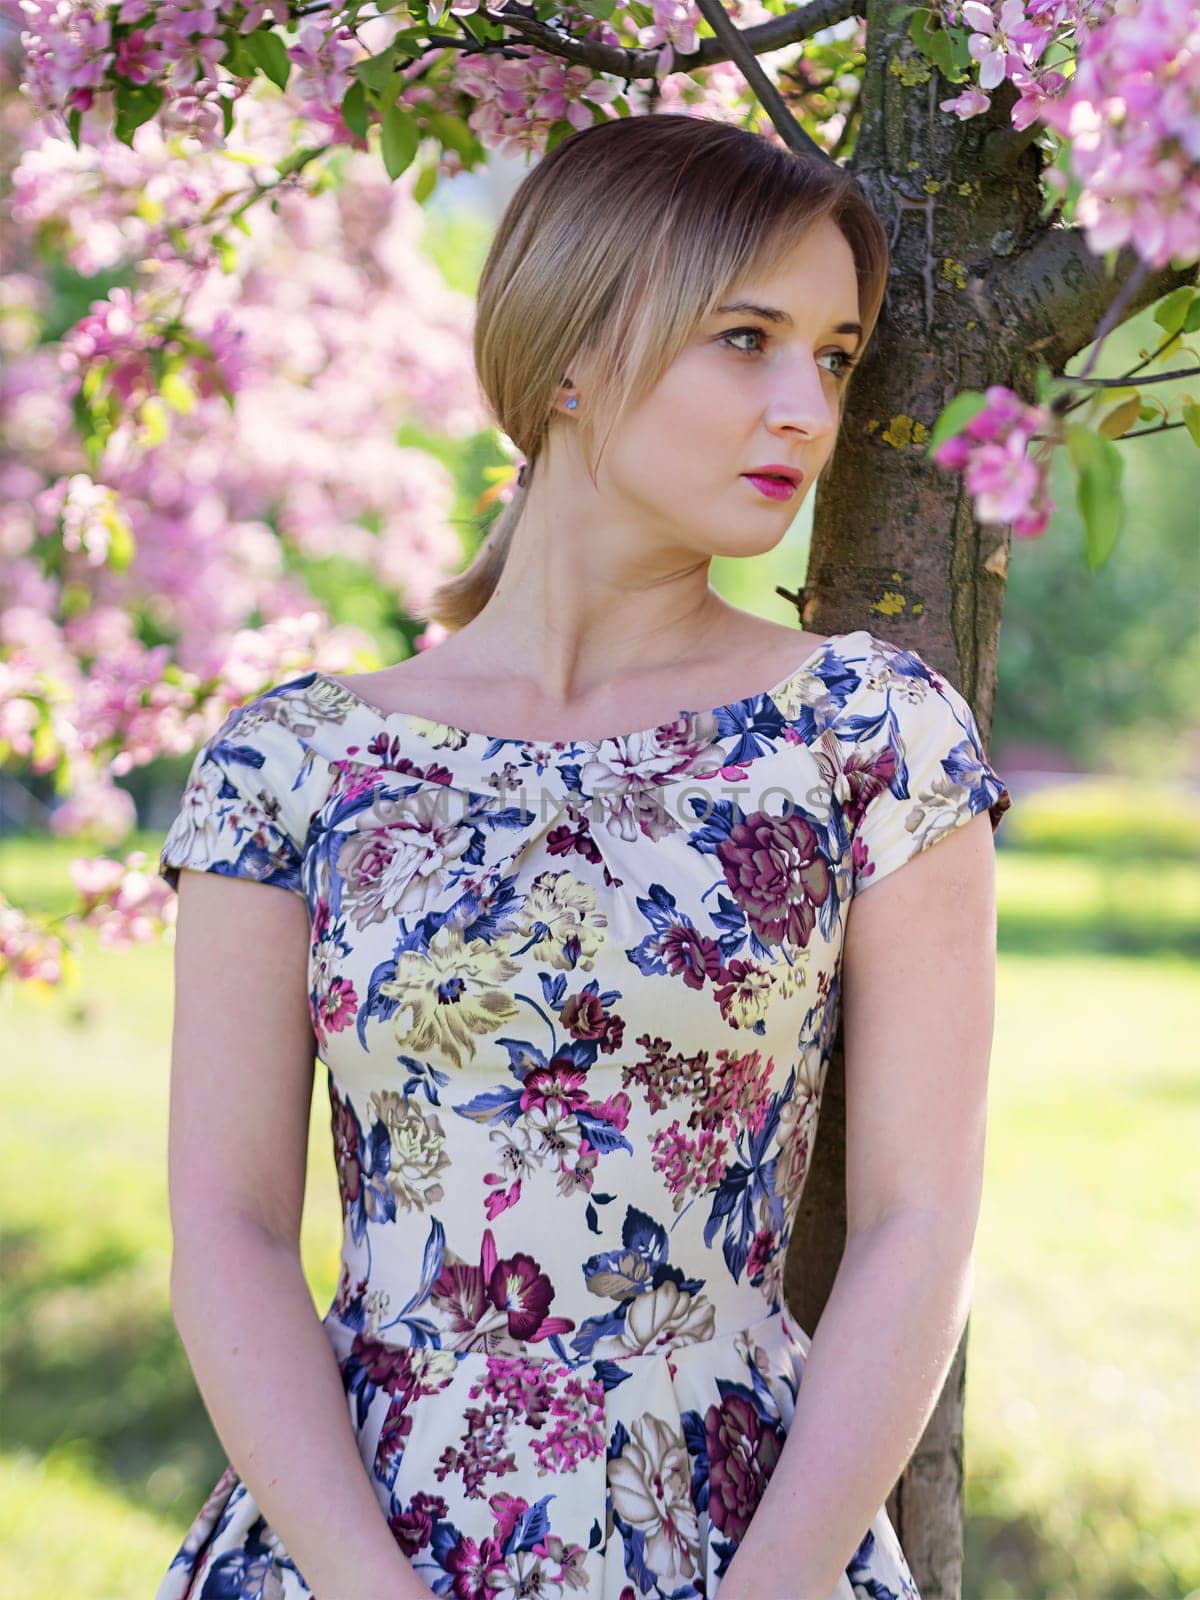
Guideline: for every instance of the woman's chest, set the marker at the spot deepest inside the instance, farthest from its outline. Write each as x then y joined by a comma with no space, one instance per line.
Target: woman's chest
574,915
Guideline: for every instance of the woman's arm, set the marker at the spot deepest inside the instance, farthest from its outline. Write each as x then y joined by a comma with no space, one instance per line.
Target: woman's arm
918,1011
241,1092
270,1381
876,1365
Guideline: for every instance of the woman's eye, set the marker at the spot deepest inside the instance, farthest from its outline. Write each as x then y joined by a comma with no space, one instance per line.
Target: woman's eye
844,358
742,333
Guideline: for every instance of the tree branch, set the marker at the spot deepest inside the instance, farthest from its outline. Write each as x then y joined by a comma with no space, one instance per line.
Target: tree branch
792,28
1052,297
769,97
1003,148
1127,383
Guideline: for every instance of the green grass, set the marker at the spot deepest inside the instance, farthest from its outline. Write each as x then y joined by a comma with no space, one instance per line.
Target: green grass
1082,1402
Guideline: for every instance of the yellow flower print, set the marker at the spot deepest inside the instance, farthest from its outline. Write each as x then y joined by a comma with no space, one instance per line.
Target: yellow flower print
560,920
745,991
418,1148
441,735
791,977
453,992
805,688
430,1370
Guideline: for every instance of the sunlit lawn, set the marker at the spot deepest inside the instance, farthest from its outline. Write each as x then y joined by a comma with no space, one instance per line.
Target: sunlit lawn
1083,1400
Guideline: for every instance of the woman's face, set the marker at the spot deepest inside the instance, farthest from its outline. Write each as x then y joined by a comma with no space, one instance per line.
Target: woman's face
750,390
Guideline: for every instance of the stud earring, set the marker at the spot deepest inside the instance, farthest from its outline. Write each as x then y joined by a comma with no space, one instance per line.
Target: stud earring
572,403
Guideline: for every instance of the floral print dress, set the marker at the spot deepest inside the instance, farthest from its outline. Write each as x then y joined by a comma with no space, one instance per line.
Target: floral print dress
576,1003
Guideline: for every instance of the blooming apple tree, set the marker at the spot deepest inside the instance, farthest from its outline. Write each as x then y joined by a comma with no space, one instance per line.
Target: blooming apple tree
237,190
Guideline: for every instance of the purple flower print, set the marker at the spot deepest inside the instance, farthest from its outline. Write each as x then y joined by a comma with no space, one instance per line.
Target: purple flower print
347,1149
333,1001
519,1287
742,1454
413,1528
761,1250
393,1437
866,775
778,875
496,1302
564,1408
477,1568
584,1017
690,955
557,1080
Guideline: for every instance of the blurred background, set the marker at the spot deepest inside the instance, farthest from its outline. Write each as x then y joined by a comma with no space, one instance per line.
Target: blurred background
1083,1394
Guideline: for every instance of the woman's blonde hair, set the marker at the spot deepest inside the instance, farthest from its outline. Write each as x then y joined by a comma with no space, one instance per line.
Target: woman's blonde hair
617,245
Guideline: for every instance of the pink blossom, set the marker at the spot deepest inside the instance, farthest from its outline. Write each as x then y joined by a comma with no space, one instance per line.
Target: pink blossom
992,450
989,43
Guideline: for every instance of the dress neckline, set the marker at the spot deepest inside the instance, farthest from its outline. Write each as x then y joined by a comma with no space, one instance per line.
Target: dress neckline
732,713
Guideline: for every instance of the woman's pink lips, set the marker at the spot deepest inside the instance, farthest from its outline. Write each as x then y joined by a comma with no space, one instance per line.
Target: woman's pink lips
773,488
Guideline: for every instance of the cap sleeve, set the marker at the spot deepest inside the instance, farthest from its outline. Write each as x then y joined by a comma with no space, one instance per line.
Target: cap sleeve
246,806
922,770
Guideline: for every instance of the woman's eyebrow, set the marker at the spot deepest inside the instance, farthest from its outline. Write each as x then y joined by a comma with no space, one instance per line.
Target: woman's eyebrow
774,314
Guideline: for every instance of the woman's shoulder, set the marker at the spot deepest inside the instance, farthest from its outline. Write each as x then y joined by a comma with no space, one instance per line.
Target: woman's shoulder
253,788
914,765
885,673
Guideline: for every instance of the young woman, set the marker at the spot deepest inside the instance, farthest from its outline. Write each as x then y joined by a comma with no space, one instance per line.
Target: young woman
577,899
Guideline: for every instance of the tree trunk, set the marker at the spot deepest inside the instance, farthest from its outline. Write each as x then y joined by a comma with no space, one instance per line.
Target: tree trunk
896,549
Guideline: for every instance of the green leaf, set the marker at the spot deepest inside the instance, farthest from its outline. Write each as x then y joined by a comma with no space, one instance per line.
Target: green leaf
227,252
1121,418
955,416
485,30
152,414
427,177
945,47
560,130
296,159
122,547
1043,384
601,9
455,135
1099,465
376,71
269,50
133,104
354,109
177,392
1172,311
401,137
240,61
1191,419
74,118
932,43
